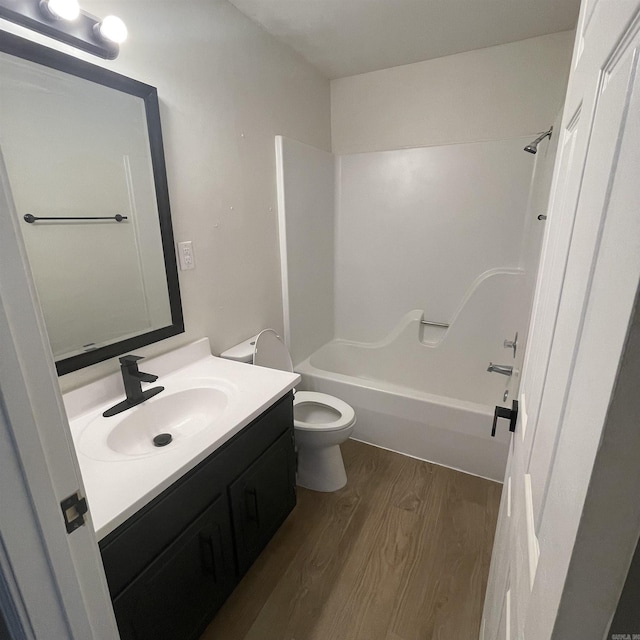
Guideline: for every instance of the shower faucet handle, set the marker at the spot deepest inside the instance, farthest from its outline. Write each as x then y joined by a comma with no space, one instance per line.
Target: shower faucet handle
511,344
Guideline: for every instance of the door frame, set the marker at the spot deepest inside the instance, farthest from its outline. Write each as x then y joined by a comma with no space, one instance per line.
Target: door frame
610,525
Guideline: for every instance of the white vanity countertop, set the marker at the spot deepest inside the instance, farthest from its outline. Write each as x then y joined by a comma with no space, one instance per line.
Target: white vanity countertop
118,485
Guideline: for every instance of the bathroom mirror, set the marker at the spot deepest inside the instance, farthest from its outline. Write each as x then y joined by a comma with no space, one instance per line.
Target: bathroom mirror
82,150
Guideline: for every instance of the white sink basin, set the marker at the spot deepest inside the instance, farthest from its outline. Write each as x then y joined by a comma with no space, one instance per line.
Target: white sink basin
130,434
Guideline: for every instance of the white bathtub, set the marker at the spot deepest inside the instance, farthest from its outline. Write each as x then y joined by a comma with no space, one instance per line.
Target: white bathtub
424,391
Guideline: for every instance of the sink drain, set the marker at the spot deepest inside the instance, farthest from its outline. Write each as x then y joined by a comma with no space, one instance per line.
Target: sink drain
162,440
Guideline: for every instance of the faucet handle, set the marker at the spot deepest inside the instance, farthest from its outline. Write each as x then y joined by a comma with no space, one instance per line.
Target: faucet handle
511,344
130,359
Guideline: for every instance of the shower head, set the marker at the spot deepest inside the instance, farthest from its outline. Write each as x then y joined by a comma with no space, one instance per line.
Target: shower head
533,147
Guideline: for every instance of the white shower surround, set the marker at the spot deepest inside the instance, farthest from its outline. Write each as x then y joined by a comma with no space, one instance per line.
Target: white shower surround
419,390
414,228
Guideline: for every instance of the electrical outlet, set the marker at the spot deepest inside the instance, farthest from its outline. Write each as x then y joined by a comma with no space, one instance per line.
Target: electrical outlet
185,255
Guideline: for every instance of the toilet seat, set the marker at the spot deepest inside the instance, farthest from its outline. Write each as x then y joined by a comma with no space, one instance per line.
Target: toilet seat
346,413
270,351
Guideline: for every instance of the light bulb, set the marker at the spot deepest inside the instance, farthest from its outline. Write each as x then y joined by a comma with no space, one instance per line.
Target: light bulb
62,9
113,29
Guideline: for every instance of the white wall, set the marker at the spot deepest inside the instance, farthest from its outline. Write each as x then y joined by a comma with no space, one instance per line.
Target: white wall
495,93
415,228
306,190
226,89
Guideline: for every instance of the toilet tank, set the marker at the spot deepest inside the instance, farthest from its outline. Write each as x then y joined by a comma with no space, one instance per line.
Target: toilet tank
242,352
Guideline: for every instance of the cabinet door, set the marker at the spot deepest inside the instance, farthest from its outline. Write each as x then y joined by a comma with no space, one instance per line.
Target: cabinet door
176,596
261,498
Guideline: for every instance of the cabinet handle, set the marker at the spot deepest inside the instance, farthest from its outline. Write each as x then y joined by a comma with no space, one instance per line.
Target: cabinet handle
251,503
208,555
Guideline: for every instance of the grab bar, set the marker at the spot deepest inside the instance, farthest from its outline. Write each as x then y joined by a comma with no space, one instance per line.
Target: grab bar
444,325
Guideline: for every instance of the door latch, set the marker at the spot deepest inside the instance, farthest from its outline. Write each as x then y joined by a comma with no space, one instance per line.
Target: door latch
509,414
73,509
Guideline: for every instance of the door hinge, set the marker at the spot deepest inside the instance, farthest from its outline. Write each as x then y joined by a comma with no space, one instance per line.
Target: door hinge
73,509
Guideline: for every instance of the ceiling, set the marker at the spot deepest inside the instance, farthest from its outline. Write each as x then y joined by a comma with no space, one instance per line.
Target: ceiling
346,37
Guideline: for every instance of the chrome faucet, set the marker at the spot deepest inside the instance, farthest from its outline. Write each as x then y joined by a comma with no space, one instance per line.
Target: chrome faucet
503,369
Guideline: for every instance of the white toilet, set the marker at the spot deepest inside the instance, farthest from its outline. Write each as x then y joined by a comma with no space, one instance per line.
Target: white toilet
321,422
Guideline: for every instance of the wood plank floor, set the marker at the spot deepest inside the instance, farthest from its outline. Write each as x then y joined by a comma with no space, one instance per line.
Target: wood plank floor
401,553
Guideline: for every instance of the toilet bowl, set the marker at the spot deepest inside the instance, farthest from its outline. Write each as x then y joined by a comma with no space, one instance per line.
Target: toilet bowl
321,422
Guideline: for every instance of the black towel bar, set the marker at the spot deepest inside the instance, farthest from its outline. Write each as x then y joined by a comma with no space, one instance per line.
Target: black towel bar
31,218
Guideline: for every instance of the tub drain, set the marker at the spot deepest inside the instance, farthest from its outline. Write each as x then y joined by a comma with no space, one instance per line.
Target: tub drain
162,440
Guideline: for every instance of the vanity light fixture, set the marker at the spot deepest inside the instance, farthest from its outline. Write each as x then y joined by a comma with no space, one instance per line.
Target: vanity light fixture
112,29
65,21
60,9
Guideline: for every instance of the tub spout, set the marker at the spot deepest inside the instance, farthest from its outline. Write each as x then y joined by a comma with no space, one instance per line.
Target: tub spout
503,369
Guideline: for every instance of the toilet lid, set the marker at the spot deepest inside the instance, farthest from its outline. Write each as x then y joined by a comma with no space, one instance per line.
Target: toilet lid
271,352
347,416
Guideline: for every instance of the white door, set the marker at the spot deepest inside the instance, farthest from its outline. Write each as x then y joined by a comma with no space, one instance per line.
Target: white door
584,299
52,584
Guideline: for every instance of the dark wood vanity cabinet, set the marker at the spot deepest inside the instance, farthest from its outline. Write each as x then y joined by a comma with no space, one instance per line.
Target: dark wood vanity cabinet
172,565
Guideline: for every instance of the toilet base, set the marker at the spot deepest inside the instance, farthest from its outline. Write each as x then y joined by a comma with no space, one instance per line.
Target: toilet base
321,469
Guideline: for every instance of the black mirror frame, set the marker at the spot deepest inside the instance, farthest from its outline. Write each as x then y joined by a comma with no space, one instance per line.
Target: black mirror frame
21,48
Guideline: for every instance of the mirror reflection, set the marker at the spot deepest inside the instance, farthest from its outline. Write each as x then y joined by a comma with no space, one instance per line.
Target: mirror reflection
78,159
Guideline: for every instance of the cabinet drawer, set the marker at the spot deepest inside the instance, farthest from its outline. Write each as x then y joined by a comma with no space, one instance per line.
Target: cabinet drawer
132,546
175,597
